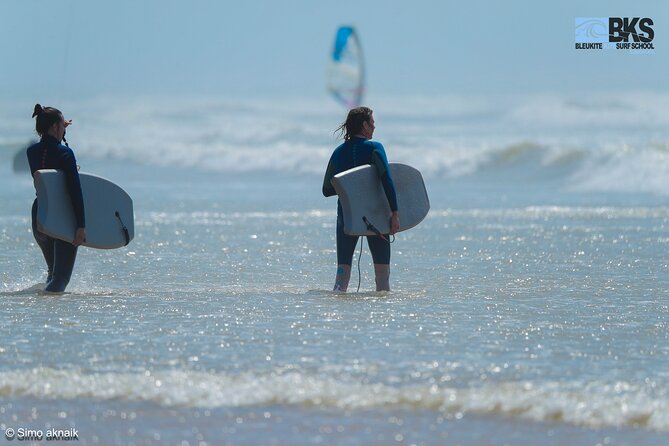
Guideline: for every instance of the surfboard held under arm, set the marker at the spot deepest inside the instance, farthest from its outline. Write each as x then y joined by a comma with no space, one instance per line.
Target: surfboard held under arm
361,195
108,208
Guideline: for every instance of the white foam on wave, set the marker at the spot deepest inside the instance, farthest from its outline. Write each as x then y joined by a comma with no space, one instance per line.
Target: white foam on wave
626,168
594,404
600,141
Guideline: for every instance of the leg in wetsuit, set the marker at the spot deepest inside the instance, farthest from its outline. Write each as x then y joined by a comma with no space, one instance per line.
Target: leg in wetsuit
58,254
379,248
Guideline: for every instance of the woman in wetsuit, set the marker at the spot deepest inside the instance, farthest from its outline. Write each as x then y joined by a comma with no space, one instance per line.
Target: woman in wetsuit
358,149
49,153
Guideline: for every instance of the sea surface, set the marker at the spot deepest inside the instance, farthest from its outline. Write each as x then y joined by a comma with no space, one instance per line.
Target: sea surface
531,307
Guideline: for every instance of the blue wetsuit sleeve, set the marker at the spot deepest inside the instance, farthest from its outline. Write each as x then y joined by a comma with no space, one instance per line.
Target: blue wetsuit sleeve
30,154
328,188
380,161
69,165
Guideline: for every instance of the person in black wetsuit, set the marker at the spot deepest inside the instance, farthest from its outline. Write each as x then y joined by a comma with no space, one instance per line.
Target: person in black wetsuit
49,153
357,150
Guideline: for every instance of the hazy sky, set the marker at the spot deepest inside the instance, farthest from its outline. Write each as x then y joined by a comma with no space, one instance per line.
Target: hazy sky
81,48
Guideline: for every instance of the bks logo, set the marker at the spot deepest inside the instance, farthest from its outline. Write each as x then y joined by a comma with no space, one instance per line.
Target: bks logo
620,29
622,33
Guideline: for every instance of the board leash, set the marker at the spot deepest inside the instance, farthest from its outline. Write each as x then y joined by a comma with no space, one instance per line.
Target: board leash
124,228
371,227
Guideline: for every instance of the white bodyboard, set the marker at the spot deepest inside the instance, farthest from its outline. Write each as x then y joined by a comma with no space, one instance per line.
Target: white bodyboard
108,210
361,195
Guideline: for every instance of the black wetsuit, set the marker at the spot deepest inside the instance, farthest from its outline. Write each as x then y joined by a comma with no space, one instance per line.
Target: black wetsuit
59,255
353,153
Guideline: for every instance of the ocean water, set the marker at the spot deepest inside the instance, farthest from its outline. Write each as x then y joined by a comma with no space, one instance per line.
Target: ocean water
530,307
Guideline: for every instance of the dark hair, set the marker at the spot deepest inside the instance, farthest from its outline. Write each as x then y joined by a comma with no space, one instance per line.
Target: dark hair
354,121
46,117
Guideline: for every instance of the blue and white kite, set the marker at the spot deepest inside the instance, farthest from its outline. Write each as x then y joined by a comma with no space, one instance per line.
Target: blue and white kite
346,71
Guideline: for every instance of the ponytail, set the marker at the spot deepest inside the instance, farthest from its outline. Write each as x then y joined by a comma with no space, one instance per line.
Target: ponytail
38,110
46,117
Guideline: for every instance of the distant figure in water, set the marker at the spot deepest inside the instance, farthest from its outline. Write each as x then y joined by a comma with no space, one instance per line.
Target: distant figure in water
49,153
358,149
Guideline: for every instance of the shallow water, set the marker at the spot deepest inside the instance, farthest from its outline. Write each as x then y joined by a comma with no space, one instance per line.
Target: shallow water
528,308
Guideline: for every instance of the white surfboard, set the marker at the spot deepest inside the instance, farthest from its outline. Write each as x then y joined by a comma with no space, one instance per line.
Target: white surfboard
361,195
108,208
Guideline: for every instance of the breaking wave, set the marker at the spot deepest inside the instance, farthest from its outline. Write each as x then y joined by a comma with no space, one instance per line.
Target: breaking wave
592,142
592,404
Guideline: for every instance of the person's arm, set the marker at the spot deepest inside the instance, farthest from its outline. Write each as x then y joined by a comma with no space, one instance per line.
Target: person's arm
328,188
32,162
76,196
381,162
79,237
394,222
